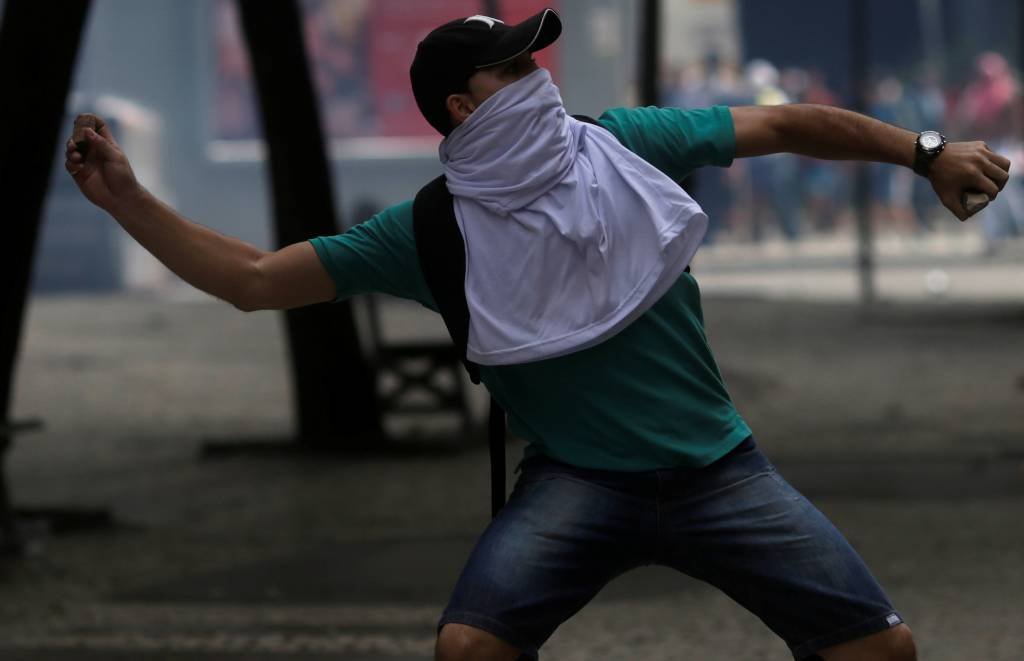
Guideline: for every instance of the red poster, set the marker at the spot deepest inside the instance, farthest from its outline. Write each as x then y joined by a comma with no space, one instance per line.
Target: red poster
396,30
360,52
396,27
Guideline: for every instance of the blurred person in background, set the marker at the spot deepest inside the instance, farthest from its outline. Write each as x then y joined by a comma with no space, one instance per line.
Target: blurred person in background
712,82
925,105
824,189
775,178
728,188
688,88
891,185
725,84
991,108
567,226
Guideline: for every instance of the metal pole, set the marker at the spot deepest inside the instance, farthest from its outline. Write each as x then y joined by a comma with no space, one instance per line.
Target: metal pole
323,340
649,87
859,65
38,48
650,50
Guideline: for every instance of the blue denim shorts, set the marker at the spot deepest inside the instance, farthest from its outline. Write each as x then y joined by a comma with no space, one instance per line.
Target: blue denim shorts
736,524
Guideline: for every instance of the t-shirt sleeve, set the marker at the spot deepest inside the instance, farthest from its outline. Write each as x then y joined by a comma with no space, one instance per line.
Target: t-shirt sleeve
376,256
675,141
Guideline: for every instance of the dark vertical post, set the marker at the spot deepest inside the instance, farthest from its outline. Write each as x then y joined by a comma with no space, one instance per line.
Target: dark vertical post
860,77
929,14
491,8
649,74
334,386
9,540
37,56
650,52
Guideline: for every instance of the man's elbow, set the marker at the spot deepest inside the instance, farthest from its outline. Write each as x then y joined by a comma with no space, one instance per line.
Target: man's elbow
761,130
246,306
292,277
249,296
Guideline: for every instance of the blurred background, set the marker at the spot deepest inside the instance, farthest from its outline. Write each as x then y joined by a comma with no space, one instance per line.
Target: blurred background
873,342
176,78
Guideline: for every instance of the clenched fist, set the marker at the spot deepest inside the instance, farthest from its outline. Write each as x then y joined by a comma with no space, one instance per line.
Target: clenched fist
967,166
97,164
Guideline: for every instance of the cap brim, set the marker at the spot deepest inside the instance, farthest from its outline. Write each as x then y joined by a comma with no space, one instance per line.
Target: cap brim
537,32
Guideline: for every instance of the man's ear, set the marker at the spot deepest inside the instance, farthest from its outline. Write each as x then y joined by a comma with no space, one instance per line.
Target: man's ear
460,106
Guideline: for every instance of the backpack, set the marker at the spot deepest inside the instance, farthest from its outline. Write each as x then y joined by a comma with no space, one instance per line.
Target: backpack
442,255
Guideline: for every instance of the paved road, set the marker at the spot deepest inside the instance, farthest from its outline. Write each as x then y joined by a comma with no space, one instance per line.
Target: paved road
903,425
948,267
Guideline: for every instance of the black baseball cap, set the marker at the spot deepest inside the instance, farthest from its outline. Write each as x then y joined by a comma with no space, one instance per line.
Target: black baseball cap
450,54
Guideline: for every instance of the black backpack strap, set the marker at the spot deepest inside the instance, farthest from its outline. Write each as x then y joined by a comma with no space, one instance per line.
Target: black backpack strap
496,441
442,255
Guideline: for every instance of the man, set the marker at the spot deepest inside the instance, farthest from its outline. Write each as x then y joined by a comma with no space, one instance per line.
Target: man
590,336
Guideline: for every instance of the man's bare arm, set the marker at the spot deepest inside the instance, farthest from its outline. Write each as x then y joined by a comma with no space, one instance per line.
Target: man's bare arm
289,278
225,267
836,134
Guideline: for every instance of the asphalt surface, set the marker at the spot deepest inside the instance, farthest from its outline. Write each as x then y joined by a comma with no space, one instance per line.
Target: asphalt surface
903,423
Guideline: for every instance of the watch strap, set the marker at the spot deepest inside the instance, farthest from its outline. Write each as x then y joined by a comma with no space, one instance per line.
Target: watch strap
923,157
922,161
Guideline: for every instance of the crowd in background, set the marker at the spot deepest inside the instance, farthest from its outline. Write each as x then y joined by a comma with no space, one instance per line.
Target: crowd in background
770,196
792,196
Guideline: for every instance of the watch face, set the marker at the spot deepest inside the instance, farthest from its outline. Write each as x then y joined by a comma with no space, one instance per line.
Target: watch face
930,140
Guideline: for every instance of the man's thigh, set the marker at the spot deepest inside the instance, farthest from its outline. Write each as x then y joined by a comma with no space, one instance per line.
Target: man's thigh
555,544
741,527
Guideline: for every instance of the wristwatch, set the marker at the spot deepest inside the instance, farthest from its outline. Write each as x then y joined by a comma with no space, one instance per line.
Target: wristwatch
928,146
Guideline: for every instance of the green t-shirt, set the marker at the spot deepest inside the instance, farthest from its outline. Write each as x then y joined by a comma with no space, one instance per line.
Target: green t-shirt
649,397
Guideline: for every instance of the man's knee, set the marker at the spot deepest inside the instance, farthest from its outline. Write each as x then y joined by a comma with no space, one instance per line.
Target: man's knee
895,644
461,642
902,647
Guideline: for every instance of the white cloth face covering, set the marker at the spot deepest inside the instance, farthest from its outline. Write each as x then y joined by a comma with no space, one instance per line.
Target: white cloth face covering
569,236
